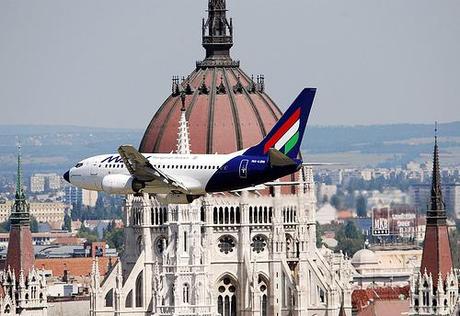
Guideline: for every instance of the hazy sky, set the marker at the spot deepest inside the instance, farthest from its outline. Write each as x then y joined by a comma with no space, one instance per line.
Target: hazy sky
109,63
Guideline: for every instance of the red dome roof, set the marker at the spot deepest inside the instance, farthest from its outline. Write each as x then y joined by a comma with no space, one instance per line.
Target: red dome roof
226,110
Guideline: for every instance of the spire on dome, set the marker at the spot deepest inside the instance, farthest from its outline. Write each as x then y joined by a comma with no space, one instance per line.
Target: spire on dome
183,140
217,35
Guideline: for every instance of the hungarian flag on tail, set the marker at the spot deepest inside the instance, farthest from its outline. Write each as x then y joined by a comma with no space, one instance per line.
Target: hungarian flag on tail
286,136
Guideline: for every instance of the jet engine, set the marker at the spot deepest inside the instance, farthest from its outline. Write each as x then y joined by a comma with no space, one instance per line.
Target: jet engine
174,198
121,184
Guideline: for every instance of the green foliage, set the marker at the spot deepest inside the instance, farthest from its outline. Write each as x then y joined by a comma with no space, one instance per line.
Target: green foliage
67,223
361,206
319,233
349,238
454,238
107,207
5,226
114,237
33,224
86,233
338,200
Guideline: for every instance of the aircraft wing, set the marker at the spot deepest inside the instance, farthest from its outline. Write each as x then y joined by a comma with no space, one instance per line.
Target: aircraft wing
139,167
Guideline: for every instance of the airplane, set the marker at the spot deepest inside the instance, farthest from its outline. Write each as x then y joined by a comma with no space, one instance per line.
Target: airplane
180,179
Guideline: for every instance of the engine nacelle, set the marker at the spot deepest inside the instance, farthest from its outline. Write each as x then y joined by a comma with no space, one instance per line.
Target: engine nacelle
173,198
121,184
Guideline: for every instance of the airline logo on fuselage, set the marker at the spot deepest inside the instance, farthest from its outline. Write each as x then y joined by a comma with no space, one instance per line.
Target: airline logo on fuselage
116,159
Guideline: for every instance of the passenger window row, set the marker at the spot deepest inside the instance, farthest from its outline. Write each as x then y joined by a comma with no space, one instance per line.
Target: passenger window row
117,166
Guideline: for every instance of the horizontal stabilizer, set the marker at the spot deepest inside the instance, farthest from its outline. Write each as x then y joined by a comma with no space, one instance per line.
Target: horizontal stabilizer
316,164
278,159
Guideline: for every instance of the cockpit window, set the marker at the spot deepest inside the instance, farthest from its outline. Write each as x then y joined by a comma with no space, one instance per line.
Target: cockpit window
78,165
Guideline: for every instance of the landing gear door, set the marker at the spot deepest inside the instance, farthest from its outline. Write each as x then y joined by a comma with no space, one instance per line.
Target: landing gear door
244,168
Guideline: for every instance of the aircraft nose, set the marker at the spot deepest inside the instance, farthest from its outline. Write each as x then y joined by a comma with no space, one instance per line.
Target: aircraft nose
66,176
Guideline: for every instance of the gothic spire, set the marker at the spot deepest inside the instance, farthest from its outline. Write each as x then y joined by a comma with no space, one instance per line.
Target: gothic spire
20,211
436,213
436,194
217,31
437,255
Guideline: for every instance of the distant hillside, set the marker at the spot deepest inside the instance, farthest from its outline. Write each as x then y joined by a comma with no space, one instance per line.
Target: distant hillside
55,148
404,142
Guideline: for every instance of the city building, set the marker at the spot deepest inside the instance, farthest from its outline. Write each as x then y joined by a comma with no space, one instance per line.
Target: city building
421,194
89,198
73,195
37,184
44,212
23,289
382,268
434,288
242,253
41,182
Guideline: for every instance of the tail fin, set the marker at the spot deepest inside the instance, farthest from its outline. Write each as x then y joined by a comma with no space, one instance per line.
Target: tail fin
286,136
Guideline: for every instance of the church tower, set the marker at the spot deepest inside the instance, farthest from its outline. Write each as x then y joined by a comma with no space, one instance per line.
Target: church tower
23,289
434,290
20,255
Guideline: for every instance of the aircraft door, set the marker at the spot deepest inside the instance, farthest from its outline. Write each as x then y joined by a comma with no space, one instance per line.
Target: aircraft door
244,168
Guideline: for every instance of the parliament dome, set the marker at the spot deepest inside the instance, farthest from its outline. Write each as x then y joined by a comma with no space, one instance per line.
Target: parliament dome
227,110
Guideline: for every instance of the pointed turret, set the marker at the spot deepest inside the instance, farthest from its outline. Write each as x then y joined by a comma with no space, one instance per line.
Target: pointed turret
183,139
20,255
437,255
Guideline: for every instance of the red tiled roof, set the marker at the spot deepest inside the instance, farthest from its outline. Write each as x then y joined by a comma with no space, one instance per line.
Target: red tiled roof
437,256
361,298
20,254
74,266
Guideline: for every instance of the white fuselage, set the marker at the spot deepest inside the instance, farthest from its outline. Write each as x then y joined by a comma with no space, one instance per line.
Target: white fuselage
193,171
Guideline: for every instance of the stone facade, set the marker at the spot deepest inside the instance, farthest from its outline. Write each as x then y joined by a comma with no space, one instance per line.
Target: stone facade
227,255
25,296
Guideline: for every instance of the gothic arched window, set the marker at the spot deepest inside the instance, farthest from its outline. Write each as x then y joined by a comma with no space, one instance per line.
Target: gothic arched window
160,244
109,298
139,290
263,289
227,296
129,299
226,244
186,293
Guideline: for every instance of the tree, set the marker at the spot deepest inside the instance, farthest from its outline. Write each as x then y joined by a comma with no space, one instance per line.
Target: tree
67,223
86,233
114,237
33,224
361,206
319,233
338,201
349,238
